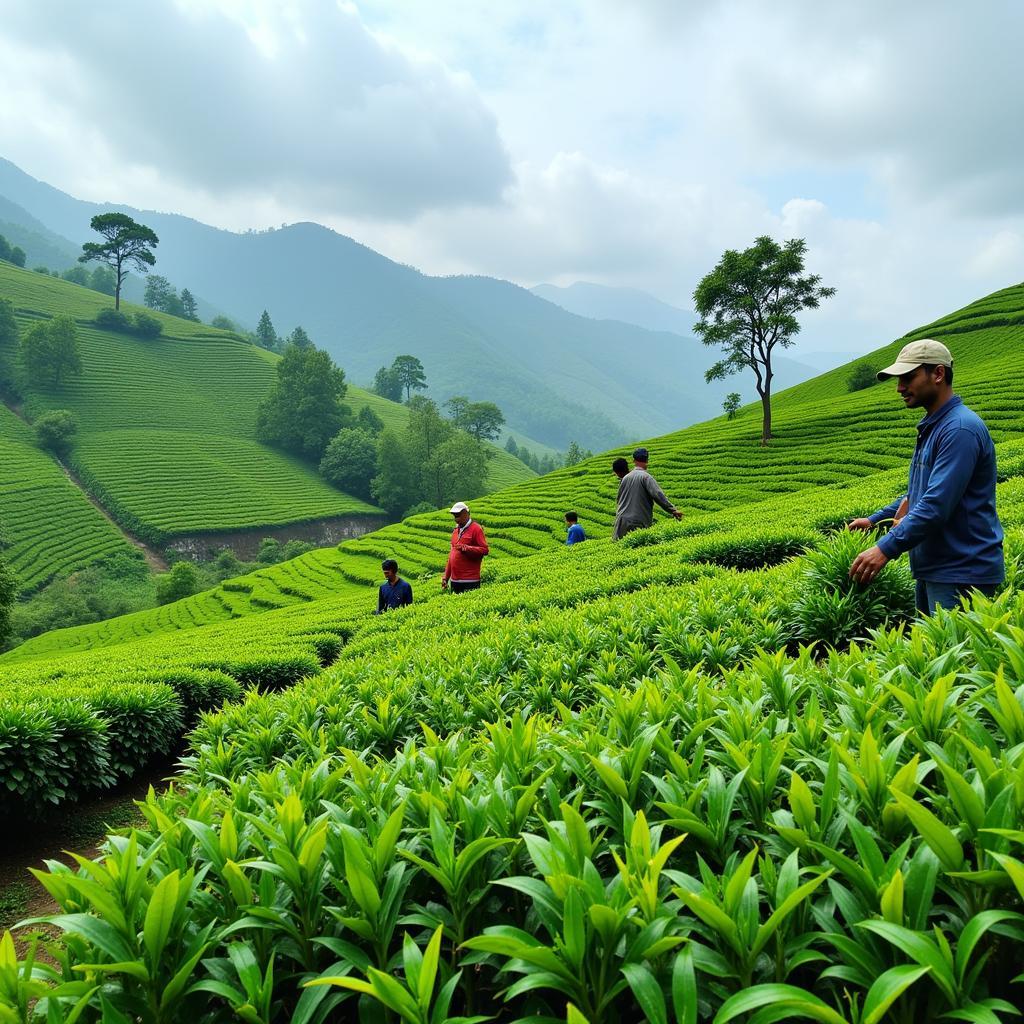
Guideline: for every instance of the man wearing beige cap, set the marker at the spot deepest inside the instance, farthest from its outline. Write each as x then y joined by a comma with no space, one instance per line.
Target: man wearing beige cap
469,545
950,526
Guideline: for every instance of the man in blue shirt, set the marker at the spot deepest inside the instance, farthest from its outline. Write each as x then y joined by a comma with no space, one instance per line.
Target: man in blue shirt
950,526
576,532
395,592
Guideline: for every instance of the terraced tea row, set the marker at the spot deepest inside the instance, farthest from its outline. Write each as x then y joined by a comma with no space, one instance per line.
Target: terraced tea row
49,525
166,431
767,831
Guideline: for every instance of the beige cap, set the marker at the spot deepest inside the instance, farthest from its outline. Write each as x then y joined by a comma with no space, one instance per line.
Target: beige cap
459,506
916,354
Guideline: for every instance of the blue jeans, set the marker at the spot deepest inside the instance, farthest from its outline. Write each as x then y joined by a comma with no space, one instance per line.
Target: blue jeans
930,595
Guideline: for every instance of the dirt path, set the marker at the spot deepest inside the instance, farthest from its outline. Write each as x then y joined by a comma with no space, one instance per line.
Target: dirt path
154,559
80,829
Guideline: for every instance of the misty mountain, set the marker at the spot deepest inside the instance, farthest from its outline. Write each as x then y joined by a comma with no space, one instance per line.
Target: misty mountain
556,375
629,305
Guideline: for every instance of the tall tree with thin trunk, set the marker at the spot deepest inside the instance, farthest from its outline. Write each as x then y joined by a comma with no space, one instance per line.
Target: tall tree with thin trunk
127,245
748,306
410,374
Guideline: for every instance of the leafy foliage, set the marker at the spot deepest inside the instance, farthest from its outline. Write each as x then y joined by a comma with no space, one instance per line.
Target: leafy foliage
49,352
126,246
748,306
861,376
55,431
304,409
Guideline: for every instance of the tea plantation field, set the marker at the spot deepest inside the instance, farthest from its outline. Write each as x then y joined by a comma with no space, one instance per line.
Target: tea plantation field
71,535
692,776
826,437
166,430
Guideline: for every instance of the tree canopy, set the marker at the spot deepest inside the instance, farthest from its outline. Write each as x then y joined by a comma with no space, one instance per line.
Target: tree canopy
49,351
304,408
748,306
410,374
127,245
266,335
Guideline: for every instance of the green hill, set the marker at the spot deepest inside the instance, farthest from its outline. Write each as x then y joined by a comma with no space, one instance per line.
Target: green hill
557,377
166,431
658,771
827,440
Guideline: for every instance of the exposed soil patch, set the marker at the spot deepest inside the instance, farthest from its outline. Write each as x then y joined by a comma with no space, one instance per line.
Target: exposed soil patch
246,543
154,559
80,828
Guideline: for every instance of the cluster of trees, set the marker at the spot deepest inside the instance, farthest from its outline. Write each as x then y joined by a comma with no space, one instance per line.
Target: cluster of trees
266,336
11,253
542,464
47,354
161,295
429,464
142,325
405,374
432,461
100,278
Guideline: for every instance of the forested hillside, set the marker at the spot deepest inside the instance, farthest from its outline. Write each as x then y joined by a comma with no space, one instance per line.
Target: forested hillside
165,439
558,377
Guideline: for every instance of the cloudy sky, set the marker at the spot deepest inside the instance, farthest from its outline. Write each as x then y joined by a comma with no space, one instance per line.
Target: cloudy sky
626,143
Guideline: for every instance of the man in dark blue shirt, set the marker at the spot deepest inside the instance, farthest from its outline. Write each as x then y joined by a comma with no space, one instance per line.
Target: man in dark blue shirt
950,526
395,592
575,533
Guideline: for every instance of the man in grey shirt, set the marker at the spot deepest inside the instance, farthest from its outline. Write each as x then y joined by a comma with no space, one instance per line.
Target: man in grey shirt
638,491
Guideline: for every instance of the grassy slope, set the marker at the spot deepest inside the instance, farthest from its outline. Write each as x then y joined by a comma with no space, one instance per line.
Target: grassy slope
196,391
828,441
71,534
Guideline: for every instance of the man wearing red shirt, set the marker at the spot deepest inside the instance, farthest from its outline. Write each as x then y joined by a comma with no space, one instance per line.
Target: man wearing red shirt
469,545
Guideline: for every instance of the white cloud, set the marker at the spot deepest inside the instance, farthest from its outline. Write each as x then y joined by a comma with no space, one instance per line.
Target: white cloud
296,100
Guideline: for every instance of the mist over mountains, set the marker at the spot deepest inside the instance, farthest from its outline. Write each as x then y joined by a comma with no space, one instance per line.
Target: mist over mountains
596,365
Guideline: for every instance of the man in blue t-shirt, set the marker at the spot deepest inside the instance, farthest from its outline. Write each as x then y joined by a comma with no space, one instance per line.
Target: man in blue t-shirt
947,519
395,592
576,532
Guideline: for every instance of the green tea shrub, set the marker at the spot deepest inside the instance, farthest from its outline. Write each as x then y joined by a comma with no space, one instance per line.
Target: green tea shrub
146,326
198,690
113,320
832,609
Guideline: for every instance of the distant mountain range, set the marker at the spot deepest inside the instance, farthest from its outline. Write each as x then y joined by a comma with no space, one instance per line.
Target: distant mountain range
558,376
628,305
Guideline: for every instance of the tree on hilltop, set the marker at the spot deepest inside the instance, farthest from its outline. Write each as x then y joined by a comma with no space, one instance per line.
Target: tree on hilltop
300,339
410,374
748,305
188,305
127,245
266,335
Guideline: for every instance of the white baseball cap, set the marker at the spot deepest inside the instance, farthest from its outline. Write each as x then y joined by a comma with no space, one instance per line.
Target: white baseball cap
916,354
459,506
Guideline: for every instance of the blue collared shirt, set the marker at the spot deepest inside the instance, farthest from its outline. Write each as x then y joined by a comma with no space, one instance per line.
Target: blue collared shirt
951,528
393,595
575,534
